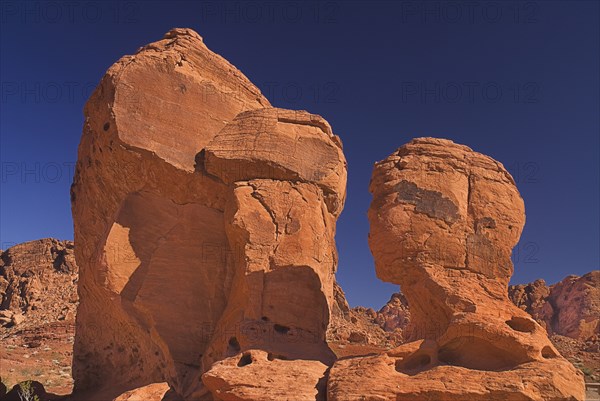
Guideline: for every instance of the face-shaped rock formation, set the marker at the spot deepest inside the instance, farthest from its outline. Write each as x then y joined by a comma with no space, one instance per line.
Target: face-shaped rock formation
205,223
444,220
203,230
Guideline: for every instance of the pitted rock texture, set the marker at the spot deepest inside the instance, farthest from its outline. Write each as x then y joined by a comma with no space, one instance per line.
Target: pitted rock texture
444,220
197,237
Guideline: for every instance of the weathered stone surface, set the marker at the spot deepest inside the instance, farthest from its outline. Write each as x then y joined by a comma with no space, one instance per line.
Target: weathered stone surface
154,256
260,376
444,220
284,235
283,145
205,223
532,298
377,378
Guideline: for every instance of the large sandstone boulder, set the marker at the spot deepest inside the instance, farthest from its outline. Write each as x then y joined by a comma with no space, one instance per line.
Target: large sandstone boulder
149,224
444,220
204,223
260,376
281,225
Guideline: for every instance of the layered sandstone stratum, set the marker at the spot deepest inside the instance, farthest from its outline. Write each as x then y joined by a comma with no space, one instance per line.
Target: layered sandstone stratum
205,221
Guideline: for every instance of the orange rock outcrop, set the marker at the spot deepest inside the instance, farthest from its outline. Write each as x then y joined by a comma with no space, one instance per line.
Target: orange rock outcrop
205,223
444,220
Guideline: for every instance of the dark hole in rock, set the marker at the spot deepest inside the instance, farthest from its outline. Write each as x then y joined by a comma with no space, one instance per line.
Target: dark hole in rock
106,126
271,357
486,222
281,329
264,318
413,363
478,354
199,161
521,324
548,352
245,360
233,347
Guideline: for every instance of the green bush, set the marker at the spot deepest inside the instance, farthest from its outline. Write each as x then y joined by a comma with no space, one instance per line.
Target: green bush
26,391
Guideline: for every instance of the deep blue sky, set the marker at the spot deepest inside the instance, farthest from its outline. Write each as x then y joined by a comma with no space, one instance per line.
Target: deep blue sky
515,80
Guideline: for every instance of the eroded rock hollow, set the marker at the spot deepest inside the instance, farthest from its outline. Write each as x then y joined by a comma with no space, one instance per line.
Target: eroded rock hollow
444,220
205,223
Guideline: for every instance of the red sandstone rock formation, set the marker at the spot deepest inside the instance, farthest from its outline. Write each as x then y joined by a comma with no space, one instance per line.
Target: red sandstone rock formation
149,223
444,220
287,175
395,314
569,308
205,225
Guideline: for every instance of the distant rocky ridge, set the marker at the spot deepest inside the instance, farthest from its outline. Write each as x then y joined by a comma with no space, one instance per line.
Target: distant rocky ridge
38,279
38,301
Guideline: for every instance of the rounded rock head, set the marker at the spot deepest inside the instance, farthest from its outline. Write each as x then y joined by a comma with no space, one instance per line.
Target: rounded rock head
437,204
